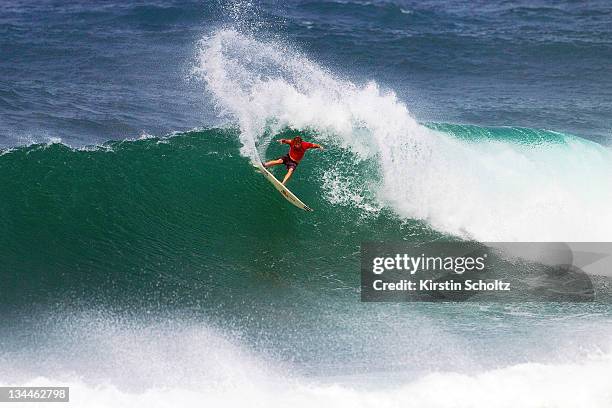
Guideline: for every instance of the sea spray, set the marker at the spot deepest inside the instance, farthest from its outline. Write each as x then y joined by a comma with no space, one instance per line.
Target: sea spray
482,189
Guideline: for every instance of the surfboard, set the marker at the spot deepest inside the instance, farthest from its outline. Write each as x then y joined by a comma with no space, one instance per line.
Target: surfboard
285,192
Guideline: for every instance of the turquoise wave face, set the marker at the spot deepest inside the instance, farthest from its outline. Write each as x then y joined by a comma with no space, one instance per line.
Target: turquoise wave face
186,219
173,220
516,135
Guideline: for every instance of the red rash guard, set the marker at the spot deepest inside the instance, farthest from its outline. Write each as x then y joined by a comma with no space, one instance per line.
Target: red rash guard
296,154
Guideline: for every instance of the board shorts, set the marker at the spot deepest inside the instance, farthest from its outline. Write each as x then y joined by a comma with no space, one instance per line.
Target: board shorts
289,162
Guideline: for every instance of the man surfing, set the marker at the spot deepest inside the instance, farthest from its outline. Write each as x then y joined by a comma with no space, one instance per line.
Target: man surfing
297,148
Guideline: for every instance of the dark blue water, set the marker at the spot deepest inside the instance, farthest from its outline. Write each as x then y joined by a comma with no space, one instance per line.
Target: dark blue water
93,71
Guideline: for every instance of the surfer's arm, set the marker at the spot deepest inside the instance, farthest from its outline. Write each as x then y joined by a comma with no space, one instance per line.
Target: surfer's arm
284,141
312,145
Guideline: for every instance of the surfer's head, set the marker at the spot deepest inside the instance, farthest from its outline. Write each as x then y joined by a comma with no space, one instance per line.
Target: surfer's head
297,141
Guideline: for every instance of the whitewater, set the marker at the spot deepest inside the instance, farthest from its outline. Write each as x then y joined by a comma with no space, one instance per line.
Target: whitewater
487,190
165,363
526,385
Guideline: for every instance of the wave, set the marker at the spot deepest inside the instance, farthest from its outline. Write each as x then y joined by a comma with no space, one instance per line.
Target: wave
479,187
154,217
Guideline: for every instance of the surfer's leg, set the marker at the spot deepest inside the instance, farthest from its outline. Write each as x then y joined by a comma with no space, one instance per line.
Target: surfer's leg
288,176
272,163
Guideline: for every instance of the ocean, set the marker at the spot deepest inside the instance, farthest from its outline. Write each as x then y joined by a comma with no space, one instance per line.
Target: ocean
145,263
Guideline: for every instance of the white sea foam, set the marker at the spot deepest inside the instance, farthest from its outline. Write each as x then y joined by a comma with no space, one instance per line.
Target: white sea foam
486,190
109,361
198,366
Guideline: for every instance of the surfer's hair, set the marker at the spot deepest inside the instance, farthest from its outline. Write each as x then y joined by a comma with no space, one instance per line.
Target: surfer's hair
297,139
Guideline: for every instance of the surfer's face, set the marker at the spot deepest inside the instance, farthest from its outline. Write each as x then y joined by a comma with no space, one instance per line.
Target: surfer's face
297,142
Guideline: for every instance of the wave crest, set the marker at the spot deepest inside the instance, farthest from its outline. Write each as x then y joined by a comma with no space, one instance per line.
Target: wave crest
489,190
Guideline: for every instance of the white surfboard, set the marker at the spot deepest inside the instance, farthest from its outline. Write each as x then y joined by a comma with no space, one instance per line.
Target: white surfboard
289,196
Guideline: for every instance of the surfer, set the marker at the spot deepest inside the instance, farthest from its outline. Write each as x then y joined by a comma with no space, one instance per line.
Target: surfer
297,148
